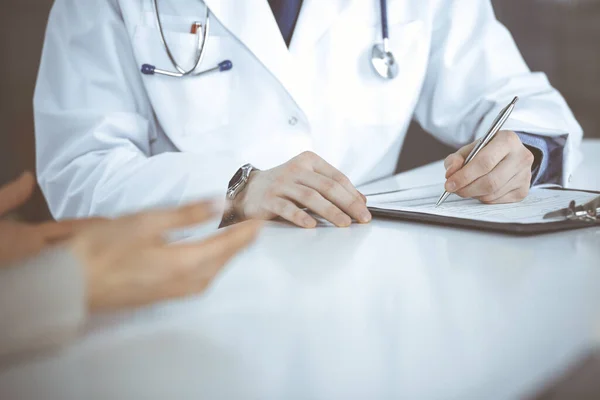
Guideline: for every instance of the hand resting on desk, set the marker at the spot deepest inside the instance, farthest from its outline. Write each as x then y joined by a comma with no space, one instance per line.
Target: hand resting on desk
306,181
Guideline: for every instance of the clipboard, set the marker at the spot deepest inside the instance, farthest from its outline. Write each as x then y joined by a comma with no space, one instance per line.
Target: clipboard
571,217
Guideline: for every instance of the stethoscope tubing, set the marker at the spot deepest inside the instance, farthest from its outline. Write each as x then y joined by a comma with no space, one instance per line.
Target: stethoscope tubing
200,46
202,39
385,33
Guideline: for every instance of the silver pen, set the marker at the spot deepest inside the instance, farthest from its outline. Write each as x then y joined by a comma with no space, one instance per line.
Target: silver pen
496,126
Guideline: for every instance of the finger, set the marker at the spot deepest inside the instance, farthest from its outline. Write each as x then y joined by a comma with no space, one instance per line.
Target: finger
56,232
152,223
322,167
290,212
487,159
193,266
314,201
514,196
16,193
494,181
204,272
53,232
520,181
455,161
216,250
174,271
77,225
186,283
335,193
180,288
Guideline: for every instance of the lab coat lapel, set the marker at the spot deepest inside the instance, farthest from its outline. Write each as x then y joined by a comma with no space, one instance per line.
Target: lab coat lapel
254,24
315,19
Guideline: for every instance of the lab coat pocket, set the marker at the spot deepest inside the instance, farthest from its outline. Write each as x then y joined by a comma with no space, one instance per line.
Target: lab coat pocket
193,109
368,98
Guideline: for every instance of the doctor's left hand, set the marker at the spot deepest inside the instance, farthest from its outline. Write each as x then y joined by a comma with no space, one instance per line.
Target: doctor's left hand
306,181
500,173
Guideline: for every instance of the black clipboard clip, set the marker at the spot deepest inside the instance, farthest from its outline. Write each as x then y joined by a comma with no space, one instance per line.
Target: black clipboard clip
588,212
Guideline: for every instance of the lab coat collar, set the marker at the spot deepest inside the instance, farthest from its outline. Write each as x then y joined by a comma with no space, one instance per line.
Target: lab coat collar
315,19
253,23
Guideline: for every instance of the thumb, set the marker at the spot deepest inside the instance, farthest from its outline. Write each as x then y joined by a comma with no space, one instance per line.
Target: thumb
455,161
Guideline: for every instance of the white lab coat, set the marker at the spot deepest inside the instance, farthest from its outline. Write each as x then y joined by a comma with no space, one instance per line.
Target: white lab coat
111,141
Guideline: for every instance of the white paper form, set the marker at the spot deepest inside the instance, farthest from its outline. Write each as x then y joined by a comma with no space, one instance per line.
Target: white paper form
539,202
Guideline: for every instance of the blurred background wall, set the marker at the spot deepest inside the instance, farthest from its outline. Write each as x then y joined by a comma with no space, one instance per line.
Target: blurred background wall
560,37
22,25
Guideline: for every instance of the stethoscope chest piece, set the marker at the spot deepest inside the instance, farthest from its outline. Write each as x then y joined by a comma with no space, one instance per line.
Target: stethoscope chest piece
382,59
384,62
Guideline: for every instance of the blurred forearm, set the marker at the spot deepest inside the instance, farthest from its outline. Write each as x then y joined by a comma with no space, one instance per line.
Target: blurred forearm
42,302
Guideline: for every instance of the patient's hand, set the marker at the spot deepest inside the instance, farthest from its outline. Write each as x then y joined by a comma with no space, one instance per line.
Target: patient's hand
129,263
21,240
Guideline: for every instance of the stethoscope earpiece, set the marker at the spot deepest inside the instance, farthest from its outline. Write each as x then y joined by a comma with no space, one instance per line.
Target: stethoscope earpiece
225,65
148,69
202,38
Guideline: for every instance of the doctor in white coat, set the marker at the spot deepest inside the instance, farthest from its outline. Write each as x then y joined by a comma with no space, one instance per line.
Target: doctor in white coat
111,140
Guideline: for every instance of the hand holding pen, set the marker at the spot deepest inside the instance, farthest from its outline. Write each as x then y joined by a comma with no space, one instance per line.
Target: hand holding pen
495,169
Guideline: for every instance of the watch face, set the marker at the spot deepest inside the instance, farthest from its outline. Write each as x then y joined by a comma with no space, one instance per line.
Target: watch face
236,178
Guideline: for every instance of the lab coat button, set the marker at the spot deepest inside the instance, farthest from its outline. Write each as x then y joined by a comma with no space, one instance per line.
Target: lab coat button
293,121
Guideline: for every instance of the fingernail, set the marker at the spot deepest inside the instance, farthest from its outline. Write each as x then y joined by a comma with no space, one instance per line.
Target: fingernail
342,220
450,186
365,216
309,222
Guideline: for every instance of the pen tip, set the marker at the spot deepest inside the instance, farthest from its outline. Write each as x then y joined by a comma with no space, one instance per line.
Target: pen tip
442,198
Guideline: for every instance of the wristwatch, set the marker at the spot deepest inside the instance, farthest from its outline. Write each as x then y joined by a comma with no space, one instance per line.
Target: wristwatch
236,185
239,181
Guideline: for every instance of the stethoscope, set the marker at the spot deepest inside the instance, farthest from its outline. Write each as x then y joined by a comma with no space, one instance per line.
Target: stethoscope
382,58
202,38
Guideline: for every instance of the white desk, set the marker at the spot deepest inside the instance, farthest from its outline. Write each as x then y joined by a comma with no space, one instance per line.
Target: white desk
379,311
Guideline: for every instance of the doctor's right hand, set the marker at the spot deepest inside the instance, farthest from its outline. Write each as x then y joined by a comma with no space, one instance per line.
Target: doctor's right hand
306,181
